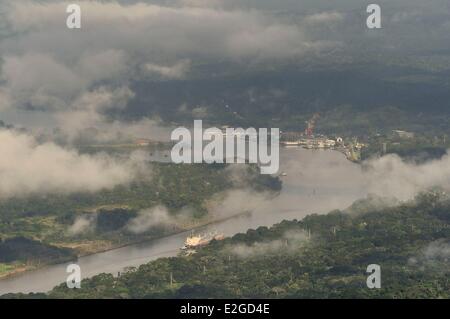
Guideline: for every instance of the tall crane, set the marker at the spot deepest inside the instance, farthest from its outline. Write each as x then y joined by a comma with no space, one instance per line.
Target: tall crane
311,124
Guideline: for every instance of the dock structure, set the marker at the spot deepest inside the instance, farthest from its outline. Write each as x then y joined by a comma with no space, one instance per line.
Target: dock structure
312,142
352,150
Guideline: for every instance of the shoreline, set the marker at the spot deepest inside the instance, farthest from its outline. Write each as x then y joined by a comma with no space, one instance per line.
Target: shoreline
22,270
18,271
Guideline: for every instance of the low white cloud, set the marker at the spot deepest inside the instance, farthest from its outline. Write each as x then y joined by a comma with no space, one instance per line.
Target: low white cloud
237,201
201,3
88,109
438,250
27,167
42,81
82,224
85,120
146,30
5,99
176,71
148,218
26,83
324,18
289,242
78,75
391,176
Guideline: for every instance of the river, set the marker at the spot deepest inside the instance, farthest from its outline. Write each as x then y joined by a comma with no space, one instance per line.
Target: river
317,181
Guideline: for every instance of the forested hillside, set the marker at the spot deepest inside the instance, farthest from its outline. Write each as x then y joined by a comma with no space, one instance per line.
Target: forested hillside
321,256
48,228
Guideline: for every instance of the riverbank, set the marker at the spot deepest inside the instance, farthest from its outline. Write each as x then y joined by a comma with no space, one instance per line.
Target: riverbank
23,268
315,182
88,248
9,270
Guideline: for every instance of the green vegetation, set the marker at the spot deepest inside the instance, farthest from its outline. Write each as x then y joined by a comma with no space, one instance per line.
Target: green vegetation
20,248
6,268
417,148
409,241
171,185
354,98
43,228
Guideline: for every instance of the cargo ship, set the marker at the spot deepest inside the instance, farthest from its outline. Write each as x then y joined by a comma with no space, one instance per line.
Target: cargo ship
194,241
291,143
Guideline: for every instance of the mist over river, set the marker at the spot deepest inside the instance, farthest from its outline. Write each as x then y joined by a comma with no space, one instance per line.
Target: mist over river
316,181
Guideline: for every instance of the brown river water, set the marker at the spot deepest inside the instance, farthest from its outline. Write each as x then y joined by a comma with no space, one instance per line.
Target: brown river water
317,181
